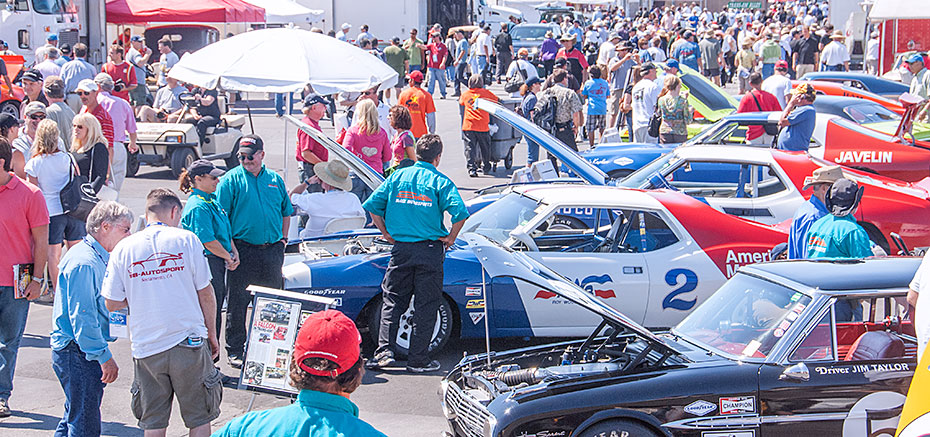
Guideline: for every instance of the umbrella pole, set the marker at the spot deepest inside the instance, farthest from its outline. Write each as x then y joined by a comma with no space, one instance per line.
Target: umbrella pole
287,106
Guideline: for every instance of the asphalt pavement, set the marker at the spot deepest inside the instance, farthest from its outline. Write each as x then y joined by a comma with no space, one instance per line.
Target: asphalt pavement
392,401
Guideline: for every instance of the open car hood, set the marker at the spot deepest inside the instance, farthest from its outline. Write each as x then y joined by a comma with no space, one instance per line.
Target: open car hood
499,262
570,158
367,174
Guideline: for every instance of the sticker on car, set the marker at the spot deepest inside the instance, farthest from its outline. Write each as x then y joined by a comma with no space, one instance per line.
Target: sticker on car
738,405
700,408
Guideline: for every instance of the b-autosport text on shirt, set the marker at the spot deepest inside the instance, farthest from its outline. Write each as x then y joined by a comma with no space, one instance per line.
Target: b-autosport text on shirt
412,198
156,266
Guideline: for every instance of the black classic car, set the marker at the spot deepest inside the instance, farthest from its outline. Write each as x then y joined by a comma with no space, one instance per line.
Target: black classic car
798,348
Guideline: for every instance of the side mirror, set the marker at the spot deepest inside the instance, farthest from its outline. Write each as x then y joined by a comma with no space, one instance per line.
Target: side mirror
797,372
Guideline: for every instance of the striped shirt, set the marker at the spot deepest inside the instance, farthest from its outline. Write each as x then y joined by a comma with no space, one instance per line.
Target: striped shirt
106,123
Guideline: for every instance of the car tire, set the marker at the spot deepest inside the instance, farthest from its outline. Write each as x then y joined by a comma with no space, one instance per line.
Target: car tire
445,323
10,107
181,158
132,164
618,427
619,174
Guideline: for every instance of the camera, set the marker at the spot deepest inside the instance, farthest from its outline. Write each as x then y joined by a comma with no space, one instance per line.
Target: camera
119,85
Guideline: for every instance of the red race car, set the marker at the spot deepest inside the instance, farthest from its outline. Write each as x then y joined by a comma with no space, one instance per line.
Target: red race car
9,102
838,89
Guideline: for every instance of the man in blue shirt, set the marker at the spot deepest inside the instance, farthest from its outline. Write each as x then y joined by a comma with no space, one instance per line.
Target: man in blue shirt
812,210
73,72
596,91
326,367
81,323
837,235
408,209
258,206
798,120
688,52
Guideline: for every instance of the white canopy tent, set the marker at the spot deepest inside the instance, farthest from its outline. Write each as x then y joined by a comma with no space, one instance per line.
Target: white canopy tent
899,9
287,11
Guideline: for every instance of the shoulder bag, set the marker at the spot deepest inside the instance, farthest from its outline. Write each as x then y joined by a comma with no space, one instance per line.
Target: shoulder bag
655,122
77,196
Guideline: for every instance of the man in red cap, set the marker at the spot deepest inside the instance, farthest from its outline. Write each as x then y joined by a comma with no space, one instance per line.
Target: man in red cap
326,367
779,84
420,104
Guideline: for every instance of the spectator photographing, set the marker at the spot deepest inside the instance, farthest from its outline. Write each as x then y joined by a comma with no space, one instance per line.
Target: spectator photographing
798,119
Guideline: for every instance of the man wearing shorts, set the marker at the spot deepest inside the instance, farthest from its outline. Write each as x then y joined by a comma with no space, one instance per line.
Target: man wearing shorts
162,276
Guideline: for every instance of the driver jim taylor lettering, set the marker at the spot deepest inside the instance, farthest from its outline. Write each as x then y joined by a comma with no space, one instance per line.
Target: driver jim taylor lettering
863,368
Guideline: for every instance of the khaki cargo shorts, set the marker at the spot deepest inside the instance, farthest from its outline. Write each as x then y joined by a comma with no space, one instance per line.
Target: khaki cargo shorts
183,371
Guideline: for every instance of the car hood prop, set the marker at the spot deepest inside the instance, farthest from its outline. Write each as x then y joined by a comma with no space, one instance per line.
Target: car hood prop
368,175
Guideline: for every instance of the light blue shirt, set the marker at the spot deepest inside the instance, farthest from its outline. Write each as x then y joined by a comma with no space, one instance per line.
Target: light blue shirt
314,414
412,201
80,313
73,72
597,91
804,217
838,237
797,136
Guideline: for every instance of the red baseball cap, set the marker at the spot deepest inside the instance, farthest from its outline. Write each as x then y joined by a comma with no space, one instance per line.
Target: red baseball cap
415,76
781,63
331,335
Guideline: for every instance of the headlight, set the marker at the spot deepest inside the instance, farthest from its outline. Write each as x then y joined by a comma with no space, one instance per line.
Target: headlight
173,139
489,426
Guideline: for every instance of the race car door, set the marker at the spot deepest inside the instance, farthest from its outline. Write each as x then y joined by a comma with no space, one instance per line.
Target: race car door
833,381
583,244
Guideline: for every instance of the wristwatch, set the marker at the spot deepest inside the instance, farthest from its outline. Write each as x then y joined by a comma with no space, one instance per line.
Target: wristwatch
41,281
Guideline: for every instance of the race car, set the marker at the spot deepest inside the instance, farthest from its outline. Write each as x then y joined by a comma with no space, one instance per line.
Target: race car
803,348
765,185
827,88
653,255
883,87
11,99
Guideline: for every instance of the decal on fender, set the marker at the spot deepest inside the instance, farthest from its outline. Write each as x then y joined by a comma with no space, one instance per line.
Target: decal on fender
476,317
474,304
700,408
738,405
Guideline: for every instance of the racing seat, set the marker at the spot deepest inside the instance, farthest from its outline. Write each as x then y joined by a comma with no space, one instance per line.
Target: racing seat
876,345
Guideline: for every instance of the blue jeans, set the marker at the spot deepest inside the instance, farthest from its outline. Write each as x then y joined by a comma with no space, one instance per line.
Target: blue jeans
280,101
460,77
838,67
13,314
413,68
532,152
450,73
437,75
767,70
482,64
80,380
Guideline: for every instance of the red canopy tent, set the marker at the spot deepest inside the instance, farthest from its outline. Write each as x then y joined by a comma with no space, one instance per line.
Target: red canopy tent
186,11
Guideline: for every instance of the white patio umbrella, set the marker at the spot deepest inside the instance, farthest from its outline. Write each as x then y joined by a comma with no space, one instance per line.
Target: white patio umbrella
283,60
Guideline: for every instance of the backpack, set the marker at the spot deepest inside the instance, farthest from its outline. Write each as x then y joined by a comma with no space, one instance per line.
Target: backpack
545,117
514,82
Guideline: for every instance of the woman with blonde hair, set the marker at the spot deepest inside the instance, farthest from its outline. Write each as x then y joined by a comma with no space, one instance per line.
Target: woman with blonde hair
89,148
675,112
367,140
49,168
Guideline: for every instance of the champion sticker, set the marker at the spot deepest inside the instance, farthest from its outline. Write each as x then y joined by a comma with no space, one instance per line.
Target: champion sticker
472,291
700,408
475,304
476,317
738,405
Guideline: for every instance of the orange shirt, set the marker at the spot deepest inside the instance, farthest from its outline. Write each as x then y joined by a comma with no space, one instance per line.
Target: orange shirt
419,103
476,120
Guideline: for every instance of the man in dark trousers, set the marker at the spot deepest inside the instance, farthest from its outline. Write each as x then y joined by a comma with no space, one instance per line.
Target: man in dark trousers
258,206
408,209
503,43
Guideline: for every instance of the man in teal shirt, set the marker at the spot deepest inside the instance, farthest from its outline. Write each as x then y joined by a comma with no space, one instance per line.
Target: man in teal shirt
326,367
258,206
408,209
81,357
837,235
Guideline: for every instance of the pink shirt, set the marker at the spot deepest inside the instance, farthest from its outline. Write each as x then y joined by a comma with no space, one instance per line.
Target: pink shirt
399,145
23,209
121,114
373,149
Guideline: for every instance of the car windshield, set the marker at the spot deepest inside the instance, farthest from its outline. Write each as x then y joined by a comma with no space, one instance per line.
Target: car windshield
864,113
640,178
496,220
705,92
746,317
527,33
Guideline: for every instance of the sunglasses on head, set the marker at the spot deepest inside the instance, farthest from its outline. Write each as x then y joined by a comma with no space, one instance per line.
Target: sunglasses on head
37,117
83,93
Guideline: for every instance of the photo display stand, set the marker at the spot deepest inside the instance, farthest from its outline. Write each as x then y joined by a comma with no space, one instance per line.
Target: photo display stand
276,317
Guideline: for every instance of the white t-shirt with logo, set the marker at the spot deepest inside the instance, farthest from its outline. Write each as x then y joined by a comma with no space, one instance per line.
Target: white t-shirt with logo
158,270
645,97
921,284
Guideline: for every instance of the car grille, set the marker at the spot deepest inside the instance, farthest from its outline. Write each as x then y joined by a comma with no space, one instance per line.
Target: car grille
470,415
69,37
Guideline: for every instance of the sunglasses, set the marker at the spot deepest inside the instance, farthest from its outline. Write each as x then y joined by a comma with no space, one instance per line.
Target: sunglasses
247,157
78,126
83,93
370,93
37,117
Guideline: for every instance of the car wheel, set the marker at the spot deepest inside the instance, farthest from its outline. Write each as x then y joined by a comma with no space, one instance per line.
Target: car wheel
618,428
132,164
181,158
619,174
10,107
445,321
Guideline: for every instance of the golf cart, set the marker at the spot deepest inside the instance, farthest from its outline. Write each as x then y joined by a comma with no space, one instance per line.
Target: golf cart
177,144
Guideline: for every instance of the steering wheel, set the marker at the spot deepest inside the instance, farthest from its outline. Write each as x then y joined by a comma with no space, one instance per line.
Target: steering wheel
188,99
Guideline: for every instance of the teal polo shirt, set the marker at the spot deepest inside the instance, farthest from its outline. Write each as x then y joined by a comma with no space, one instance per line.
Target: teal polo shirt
204,216
412,201
315,414
256,205
837,237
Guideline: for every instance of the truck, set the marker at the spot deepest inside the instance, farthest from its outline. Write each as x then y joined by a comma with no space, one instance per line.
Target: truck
851,17
904,29
25,25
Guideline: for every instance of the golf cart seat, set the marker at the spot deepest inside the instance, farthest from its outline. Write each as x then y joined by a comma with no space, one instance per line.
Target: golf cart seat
234,120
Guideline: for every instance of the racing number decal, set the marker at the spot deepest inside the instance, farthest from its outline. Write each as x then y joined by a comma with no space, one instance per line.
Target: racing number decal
691,282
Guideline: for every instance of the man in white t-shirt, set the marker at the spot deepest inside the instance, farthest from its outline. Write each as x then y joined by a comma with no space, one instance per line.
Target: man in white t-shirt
336,200
160,273
778,84
919,297
645,96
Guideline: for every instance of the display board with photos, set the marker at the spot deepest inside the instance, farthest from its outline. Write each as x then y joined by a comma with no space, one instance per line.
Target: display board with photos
277,315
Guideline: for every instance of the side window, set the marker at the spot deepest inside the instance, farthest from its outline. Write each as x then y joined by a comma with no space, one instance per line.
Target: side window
646,231
768,182
21,5
711,179
818,345
574,229
877,325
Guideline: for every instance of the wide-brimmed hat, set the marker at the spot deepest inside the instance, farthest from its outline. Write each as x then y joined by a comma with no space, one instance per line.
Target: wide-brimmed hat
843,197
334,173
837,34
823,175
567,37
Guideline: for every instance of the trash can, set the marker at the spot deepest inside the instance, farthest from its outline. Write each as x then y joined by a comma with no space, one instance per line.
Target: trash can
504,137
